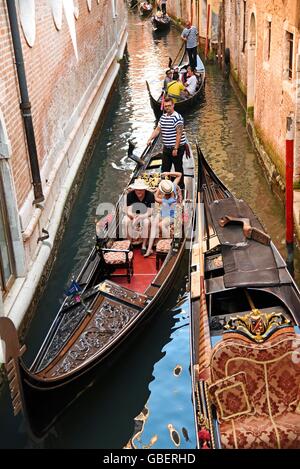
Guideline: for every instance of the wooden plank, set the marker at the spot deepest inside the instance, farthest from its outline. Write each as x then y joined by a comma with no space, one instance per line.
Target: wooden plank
165,270
195,285
117,292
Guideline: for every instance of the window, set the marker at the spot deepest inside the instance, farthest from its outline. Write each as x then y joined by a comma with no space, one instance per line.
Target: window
6,256
269,33
244,25
290,44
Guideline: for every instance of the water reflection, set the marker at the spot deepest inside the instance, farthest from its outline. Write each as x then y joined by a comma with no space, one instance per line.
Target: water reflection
145,377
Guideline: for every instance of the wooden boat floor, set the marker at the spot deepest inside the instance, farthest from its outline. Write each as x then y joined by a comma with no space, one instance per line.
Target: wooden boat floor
144,271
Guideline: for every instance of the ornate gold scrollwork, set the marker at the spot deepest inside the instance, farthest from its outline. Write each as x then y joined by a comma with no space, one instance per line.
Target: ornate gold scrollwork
256,325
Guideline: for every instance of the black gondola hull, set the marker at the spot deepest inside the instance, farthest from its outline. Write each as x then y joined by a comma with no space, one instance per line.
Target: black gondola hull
51,399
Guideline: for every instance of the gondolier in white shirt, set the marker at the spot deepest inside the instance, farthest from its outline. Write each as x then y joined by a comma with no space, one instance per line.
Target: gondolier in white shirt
171,127
191,36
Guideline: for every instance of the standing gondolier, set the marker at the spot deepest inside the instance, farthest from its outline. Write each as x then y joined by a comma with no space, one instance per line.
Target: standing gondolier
170,126
190,36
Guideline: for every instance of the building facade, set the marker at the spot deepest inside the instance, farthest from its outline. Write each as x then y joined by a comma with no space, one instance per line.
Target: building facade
264,42
71,50
203,13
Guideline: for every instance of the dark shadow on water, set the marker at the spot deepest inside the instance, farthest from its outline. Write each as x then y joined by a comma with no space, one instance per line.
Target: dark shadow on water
102,416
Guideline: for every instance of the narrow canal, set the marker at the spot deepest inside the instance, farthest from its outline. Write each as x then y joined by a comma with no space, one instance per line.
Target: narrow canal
145,378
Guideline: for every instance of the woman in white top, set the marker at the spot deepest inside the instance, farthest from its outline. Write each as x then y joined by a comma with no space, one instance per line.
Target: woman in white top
191,82
167,195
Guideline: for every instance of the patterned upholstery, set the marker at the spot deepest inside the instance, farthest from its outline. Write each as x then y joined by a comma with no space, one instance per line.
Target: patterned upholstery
230,396
163,245
272,372
118,257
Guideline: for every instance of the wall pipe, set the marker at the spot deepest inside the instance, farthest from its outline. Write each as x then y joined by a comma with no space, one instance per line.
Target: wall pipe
25,103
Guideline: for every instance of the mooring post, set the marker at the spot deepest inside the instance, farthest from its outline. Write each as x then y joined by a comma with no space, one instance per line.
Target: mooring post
289,196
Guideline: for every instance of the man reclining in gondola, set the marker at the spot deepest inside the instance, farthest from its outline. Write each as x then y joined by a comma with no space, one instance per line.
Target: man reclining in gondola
138,212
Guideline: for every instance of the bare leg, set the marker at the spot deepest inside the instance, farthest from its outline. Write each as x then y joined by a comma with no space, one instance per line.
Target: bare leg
145,231
154,233
165,228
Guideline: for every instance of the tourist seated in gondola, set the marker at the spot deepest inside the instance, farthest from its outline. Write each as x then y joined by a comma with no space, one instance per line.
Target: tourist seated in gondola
168,78
176,88
139,205
191,82
168,195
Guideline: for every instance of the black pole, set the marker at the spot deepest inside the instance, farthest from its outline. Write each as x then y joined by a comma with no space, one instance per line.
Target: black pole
25,103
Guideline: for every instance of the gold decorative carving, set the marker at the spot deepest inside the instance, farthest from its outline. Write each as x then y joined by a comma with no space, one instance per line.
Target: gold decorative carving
256,325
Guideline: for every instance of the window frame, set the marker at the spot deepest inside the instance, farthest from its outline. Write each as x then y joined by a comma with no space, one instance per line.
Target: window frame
244,25
269,39
290,54
6,285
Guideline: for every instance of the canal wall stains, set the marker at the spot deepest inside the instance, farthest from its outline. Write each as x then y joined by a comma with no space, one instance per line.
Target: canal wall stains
263,38
71,55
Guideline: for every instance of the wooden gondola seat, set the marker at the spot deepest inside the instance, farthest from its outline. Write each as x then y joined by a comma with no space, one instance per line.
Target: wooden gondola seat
118,255
256,390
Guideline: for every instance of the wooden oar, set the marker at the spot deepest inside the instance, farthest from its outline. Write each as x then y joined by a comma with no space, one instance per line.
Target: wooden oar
135,5
174,61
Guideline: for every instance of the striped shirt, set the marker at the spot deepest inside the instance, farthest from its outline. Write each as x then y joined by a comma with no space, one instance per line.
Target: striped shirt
192,36
168,125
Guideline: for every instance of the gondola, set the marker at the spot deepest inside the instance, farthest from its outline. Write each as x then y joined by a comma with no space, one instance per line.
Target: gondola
245,314
145,8
161,22
185,105
93,327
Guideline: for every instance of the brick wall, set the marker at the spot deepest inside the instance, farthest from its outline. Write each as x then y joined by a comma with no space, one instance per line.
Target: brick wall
70,71
9,104
56,80
274,92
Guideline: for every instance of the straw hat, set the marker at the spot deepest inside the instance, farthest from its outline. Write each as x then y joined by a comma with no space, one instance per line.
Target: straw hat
139,185
166,186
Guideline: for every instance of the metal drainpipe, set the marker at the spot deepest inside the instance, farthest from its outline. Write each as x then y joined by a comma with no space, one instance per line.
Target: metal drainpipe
25,103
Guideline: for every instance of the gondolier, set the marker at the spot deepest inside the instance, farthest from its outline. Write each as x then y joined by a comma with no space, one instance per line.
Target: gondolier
163,6
170,126
190,36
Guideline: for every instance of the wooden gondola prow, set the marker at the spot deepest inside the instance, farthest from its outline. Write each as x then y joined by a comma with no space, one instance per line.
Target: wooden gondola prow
12,353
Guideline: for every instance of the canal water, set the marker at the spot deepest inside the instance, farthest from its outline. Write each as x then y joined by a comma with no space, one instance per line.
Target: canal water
152,377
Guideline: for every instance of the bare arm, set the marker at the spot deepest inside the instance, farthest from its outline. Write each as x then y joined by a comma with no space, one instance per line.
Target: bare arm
129,212
176,174
158,196
179,130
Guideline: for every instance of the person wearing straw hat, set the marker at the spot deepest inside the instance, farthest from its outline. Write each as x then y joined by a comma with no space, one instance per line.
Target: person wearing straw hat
167,196
138,211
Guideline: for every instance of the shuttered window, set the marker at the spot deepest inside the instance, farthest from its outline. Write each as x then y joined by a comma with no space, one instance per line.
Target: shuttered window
6,256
